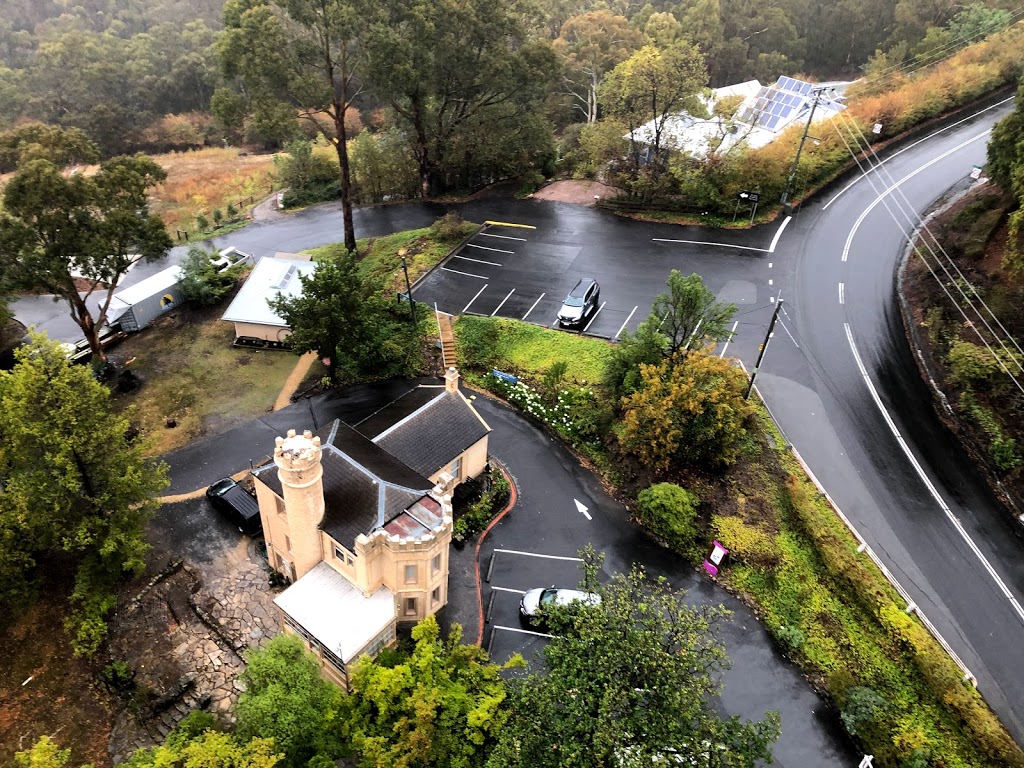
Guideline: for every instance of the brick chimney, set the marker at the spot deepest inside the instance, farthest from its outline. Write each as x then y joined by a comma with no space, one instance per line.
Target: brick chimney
298,466
451,380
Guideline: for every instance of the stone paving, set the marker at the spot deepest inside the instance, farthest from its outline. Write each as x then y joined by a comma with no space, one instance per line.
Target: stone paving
185,639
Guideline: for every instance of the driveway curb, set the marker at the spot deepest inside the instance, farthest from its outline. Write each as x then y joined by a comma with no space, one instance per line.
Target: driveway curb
512,497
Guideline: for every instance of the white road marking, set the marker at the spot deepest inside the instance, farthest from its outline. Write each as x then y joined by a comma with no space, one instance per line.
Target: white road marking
911,146
925,479
534,305
467,274
771,299
770,282
788,333
704,242
778,234
619,332
523,631
582,509
485,248
503,237
732,332
502,303
537,554
888,190
842,294
466,308
594,317
769,265
506,589
477,261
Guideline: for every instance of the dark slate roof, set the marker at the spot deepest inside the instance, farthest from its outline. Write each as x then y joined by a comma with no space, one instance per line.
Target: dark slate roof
364,486
426,428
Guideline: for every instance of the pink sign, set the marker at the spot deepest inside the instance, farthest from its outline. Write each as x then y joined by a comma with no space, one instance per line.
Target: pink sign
715,558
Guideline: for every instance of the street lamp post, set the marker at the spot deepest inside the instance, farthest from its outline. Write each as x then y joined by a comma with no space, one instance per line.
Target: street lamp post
408,287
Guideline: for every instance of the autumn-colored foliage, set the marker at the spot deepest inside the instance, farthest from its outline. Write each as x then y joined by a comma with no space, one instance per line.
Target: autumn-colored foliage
688,411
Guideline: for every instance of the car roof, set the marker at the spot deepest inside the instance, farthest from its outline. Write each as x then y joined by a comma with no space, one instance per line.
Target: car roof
582,286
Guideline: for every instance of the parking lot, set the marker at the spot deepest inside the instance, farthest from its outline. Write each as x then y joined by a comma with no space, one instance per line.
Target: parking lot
512,573
517,271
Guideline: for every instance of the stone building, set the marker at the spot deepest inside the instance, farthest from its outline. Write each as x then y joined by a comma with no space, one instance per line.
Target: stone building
359,519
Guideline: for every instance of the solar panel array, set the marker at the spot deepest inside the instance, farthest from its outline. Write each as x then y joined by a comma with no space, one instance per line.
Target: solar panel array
774,105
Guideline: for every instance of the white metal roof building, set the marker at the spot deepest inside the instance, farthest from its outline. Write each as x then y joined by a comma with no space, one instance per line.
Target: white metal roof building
138,305
766,112
254,320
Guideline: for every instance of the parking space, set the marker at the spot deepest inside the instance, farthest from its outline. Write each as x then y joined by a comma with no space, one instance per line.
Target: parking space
512,573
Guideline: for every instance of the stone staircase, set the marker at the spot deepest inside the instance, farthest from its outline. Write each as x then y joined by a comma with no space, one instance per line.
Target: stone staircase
444,327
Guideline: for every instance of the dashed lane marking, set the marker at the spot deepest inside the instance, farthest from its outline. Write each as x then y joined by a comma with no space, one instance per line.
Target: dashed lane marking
842,294
473,299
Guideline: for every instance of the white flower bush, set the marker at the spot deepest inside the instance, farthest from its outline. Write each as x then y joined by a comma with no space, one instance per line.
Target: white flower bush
574,416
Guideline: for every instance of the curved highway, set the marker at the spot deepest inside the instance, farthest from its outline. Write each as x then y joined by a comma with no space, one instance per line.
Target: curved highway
845,387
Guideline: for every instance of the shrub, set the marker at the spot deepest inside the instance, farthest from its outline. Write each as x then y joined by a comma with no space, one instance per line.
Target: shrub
218,217
577,415
447,228
475,517
971,363
309,177
863,706
669,511
791,637
231,211
200,281
202,223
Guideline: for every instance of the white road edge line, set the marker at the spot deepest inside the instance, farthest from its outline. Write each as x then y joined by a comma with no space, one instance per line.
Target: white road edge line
503,237
534,305
467,274
619,332
788,333
732,332
506,589
885,193
537,554
502,303
473,299
485,248
842,294
523,631
477,261
927,482
911,146
703,242
778,234
587,328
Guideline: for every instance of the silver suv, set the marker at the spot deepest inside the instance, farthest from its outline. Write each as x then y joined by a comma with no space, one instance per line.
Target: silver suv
580,303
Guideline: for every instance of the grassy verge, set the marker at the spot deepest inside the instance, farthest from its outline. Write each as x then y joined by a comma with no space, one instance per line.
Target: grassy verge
380,259
794,560
192,374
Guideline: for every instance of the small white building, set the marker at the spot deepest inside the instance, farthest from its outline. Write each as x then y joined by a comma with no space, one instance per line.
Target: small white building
255,322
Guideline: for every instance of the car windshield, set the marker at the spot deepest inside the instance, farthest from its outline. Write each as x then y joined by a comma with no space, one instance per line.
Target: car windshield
573,301
222,486
547,597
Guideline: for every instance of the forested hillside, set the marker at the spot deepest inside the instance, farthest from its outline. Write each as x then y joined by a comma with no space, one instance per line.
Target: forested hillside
140,74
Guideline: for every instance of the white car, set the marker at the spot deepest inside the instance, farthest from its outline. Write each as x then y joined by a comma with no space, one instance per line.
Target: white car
229,257
535,601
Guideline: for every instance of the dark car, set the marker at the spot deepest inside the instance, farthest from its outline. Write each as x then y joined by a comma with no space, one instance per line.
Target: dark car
581,301
236,504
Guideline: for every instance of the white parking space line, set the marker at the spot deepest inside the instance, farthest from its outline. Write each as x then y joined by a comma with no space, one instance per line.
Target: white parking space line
732,332
619,332
477,261
502,303
485,248
534,305
467,274
506,589
778,234
594,317
474,299
537,554
704,242
503,237
842,293
523,631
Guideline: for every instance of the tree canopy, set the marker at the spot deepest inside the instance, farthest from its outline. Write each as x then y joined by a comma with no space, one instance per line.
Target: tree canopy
629,682
57,230
75,488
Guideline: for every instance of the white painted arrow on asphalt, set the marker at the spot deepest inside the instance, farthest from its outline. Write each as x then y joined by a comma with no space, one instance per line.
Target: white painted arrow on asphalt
583,509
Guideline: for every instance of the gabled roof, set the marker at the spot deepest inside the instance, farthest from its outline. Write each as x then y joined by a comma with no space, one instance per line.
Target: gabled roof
334,611
426,428
364,486
270,278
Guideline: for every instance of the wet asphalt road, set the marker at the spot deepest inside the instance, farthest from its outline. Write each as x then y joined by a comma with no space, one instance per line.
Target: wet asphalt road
810,377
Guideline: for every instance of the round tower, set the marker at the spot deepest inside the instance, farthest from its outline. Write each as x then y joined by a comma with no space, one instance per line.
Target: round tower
301,474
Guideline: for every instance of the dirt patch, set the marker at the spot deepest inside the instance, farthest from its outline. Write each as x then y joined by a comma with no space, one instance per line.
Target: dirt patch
577,192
